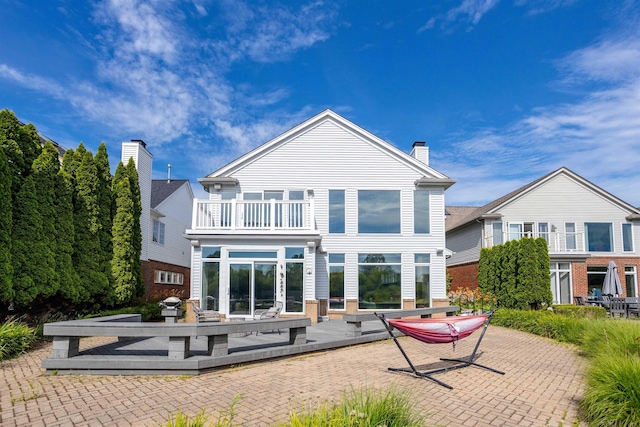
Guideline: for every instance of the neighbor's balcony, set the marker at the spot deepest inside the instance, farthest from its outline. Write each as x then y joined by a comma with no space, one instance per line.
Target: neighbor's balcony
557,242
255,215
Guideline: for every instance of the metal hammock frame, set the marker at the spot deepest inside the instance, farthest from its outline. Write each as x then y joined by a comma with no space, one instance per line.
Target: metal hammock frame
462,363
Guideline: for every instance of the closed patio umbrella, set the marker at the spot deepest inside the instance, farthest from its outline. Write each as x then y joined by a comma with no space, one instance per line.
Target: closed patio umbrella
612,285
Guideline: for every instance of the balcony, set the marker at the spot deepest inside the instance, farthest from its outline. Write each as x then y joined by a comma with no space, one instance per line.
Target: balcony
558,242
253,215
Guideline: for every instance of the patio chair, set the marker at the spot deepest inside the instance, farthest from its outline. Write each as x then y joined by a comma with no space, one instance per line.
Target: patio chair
203,316
617,306
579,300
633,306
271,313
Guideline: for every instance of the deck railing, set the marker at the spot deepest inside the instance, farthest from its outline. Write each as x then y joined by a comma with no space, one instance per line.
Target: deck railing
253,214
558,242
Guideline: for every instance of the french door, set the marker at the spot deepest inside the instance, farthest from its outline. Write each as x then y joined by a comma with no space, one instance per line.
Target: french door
252,285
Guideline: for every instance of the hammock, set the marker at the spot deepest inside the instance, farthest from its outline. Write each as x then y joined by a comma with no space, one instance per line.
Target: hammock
437,331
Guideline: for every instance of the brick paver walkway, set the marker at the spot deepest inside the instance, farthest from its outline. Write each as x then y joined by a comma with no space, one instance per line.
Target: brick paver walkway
542,383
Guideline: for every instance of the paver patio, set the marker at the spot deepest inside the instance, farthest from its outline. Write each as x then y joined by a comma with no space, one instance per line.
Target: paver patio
542,384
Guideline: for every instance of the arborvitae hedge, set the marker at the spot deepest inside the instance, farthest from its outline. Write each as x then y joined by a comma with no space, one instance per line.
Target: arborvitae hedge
517,273
6,225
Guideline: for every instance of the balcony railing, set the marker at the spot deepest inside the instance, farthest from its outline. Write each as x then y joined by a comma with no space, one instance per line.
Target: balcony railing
253,215
558,242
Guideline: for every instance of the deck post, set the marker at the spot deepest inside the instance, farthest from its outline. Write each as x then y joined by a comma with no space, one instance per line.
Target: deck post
218,345
298,336
179,347
65,347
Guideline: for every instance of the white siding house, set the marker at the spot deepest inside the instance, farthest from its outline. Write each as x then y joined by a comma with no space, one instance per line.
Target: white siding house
166,214
584,225
320,219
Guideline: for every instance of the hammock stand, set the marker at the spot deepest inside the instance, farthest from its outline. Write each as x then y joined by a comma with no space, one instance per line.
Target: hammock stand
434,337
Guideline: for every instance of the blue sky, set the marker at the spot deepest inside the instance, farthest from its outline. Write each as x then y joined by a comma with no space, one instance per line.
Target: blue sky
503,92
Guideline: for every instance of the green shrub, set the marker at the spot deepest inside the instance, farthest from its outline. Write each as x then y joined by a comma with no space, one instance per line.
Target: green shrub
15,338
201,419
612,396
544,323
581,311
150,312
614,336
366,407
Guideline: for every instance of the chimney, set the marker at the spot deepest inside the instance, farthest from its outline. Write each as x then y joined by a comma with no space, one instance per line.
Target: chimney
420,152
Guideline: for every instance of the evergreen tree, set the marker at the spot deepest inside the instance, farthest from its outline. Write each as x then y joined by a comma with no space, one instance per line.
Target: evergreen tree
104,196
123,264
28,247
45,174
136,233
9,141
71,288
6,224
30,145
87,227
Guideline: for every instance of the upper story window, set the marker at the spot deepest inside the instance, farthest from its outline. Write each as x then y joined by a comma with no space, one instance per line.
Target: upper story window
496,228
158,232
421,220
570,236
627,237
599,236
336,211
296,195
543,230
379,211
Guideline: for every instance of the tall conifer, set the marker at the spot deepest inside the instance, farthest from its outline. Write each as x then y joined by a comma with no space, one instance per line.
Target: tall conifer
124,255
104,196
136,233
6,225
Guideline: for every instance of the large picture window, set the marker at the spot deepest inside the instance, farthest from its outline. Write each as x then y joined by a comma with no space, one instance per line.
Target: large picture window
336,282
595,279
379,211
421,220
599,236
379,281
423,297
336,211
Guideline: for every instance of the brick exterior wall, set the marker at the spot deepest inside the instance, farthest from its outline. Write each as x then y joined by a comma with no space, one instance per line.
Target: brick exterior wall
463,276
159,291
466,275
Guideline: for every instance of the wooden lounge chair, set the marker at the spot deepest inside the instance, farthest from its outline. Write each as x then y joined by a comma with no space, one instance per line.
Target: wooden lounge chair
203,316
617,306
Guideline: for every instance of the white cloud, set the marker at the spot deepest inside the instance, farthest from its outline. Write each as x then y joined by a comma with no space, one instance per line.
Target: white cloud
471,10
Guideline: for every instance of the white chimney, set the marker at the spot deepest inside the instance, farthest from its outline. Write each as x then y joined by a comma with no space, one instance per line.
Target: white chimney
420,152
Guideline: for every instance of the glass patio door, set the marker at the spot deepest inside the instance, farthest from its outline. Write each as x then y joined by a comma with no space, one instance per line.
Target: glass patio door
252,285
561,282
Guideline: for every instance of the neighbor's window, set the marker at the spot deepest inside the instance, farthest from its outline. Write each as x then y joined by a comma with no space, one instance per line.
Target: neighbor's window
379,211
570,236
169,277
336,211
595,279
336,282
421,221
627,237
379,281
497,233
158,232
422,262
543,231
630,280
599,236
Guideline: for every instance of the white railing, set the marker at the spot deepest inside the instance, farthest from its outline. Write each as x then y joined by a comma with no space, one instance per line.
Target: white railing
558,242
253,214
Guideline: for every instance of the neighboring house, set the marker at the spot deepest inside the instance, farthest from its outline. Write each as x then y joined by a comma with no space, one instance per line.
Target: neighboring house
585,226
166,213
325,219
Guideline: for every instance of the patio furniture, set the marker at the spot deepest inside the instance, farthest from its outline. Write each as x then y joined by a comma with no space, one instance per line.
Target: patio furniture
436,331
633,306
617,306
271,313
203,316
579,300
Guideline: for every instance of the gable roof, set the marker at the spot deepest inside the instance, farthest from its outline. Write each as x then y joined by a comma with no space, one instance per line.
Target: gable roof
161,189
431,176
464,215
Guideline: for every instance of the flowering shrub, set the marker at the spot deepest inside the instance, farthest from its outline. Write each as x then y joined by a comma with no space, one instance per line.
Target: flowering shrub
472,299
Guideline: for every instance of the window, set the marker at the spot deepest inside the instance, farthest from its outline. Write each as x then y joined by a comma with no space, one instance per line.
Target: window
421,221
627,237
210,299
561,282
423,297
158,232
336,282
294,286
169,277
336,211
570,236
543,231
630,281
595,279
379,281
599,236
296,210
515,231
497,233
378,211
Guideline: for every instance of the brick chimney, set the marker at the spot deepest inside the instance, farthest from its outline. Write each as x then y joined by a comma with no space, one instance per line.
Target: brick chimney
420,152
